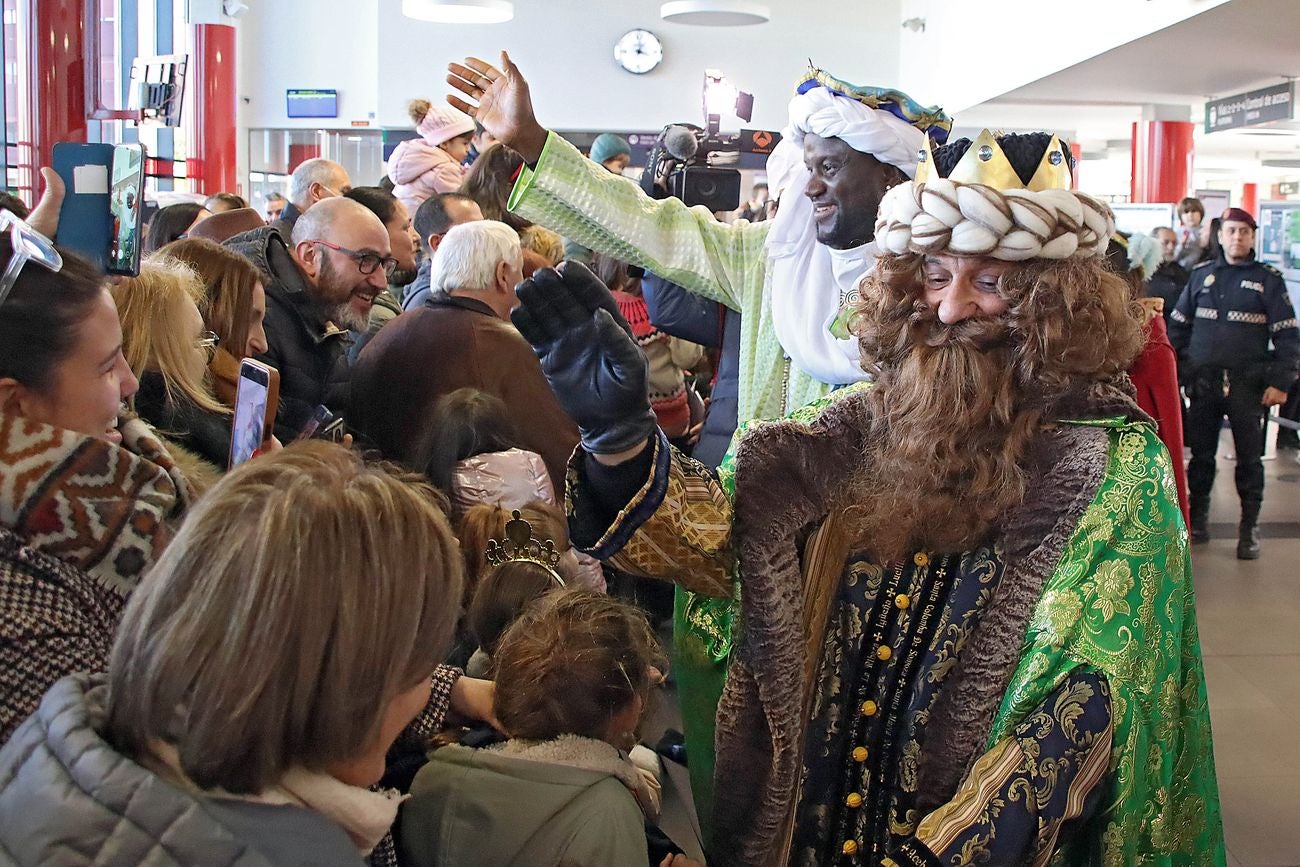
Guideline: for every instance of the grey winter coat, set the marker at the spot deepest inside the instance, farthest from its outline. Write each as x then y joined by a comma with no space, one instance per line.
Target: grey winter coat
67,797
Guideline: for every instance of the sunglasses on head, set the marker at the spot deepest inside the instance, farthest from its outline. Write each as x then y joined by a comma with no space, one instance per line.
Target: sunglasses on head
27,245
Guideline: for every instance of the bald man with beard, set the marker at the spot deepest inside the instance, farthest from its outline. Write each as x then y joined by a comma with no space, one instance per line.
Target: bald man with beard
319,285
967,630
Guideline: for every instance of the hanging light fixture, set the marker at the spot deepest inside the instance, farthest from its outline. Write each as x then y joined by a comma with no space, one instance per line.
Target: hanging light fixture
459,11
715,13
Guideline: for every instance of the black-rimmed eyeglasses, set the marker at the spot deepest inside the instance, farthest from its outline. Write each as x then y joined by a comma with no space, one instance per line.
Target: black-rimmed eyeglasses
366,262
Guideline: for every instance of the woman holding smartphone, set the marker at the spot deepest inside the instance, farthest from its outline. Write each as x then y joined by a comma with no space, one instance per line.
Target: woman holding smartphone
233,307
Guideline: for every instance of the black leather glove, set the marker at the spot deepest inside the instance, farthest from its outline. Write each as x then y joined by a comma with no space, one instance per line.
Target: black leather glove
588,355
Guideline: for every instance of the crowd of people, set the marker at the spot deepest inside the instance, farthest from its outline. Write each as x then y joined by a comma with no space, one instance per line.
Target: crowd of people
907,437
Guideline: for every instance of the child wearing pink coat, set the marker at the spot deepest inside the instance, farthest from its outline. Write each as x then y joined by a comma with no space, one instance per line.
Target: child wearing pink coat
421,167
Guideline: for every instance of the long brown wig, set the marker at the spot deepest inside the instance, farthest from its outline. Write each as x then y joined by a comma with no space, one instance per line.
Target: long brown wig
954,409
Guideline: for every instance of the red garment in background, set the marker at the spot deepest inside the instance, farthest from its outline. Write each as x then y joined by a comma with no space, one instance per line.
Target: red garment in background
1155,376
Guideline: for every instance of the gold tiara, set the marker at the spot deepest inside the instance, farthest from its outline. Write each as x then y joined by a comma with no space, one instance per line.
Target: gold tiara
985,163
519,545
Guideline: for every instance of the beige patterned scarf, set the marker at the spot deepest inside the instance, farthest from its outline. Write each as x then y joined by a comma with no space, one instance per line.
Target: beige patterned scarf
104,508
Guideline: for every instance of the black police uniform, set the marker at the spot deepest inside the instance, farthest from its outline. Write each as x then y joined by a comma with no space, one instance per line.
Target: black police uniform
1235,331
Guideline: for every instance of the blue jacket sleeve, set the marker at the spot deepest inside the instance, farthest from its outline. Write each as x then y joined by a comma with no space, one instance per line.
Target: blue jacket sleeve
680,313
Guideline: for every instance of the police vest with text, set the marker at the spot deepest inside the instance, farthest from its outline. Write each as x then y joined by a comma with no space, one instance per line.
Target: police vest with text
1237,317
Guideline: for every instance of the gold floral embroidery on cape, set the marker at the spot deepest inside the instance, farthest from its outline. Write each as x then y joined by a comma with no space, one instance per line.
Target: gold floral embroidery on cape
1121,600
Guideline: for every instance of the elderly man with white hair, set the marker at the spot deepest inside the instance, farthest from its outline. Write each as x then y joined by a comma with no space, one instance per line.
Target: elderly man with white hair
792,279
461,337
312,181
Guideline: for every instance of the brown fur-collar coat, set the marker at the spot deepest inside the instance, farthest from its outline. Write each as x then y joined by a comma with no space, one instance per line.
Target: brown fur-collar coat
787,476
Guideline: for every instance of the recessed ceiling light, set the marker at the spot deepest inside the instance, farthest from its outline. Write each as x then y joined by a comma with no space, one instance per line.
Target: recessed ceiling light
460,11
715,13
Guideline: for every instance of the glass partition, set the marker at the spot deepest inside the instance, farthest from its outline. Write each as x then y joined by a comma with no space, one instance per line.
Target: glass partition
273,154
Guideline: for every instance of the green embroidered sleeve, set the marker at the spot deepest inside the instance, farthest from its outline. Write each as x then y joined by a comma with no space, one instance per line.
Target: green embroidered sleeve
570,194
1121,600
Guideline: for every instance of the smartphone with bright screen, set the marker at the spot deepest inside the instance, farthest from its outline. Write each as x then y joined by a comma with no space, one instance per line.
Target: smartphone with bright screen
249,427
126,199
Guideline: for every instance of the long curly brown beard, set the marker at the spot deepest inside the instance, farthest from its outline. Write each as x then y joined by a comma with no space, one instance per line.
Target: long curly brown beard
950,430
955,410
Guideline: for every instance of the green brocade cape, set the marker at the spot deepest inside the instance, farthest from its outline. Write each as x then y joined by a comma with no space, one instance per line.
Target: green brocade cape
1121,600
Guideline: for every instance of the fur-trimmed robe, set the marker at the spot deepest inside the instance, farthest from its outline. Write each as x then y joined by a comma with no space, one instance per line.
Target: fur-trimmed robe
790,551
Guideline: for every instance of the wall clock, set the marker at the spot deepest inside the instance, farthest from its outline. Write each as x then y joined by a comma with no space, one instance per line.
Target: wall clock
638,51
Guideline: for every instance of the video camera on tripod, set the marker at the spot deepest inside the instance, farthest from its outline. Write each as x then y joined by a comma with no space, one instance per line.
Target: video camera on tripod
696,165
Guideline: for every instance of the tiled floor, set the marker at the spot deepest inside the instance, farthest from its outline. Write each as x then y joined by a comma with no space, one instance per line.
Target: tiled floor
1249,615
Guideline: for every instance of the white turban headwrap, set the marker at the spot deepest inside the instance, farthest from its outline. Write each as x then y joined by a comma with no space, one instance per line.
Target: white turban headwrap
809,280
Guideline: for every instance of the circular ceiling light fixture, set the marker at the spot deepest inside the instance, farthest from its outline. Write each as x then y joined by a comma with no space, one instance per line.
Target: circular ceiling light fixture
715,13
459,11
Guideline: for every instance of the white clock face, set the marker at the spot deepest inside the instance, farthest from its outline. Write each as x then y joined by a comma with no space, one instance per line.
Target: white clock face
638,51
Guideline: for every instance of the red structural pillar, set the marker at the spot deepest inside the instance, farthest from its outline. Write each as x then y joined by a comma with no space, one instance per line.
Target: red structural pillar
211,162
1250,199
1162,160
57,75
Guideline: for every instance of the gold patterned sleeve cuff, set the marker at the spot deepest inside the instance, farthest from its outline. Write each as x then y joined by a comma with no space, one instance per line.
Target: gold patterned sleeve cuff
677,527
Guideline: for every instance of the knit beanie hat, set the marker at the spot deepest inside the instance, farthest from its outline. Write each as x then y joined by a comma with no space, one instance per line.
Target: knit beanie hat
438,123
607,146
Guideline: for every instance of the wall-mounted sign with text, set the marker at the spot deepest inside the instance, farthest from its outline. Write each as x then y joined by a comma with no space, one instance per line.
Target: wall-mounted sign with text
1248,109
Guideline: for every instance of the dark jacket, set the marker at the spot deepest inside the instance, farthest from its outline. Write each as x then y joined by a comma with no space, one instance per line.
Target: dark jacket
675,311
288,217
1237,317
68,797
309,351
54,619
206,434
451,343
1167,284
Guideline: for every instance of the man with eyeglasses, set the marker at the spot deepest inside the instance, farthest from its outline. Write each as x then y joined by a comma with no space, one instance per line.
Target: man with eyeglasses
312,182
318,286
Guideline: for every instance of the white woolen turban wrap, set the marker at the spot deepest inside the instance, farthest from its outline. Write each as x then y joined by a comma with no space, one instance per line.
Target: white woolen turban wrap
806,294
941,216
873,131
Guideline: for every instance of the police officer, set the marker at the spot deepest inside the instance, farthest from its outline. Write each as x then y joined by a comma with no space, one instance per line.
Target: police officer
1235,331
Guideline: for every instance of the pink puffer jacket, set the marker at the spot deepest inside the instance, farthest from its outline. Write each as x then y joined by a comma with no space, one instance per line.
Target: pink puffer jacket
512,479
509,479
419,170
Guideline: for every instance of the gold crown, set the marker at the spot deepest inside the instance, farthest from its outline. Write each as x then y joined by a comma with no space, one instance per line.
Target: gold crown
985,163
519,545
